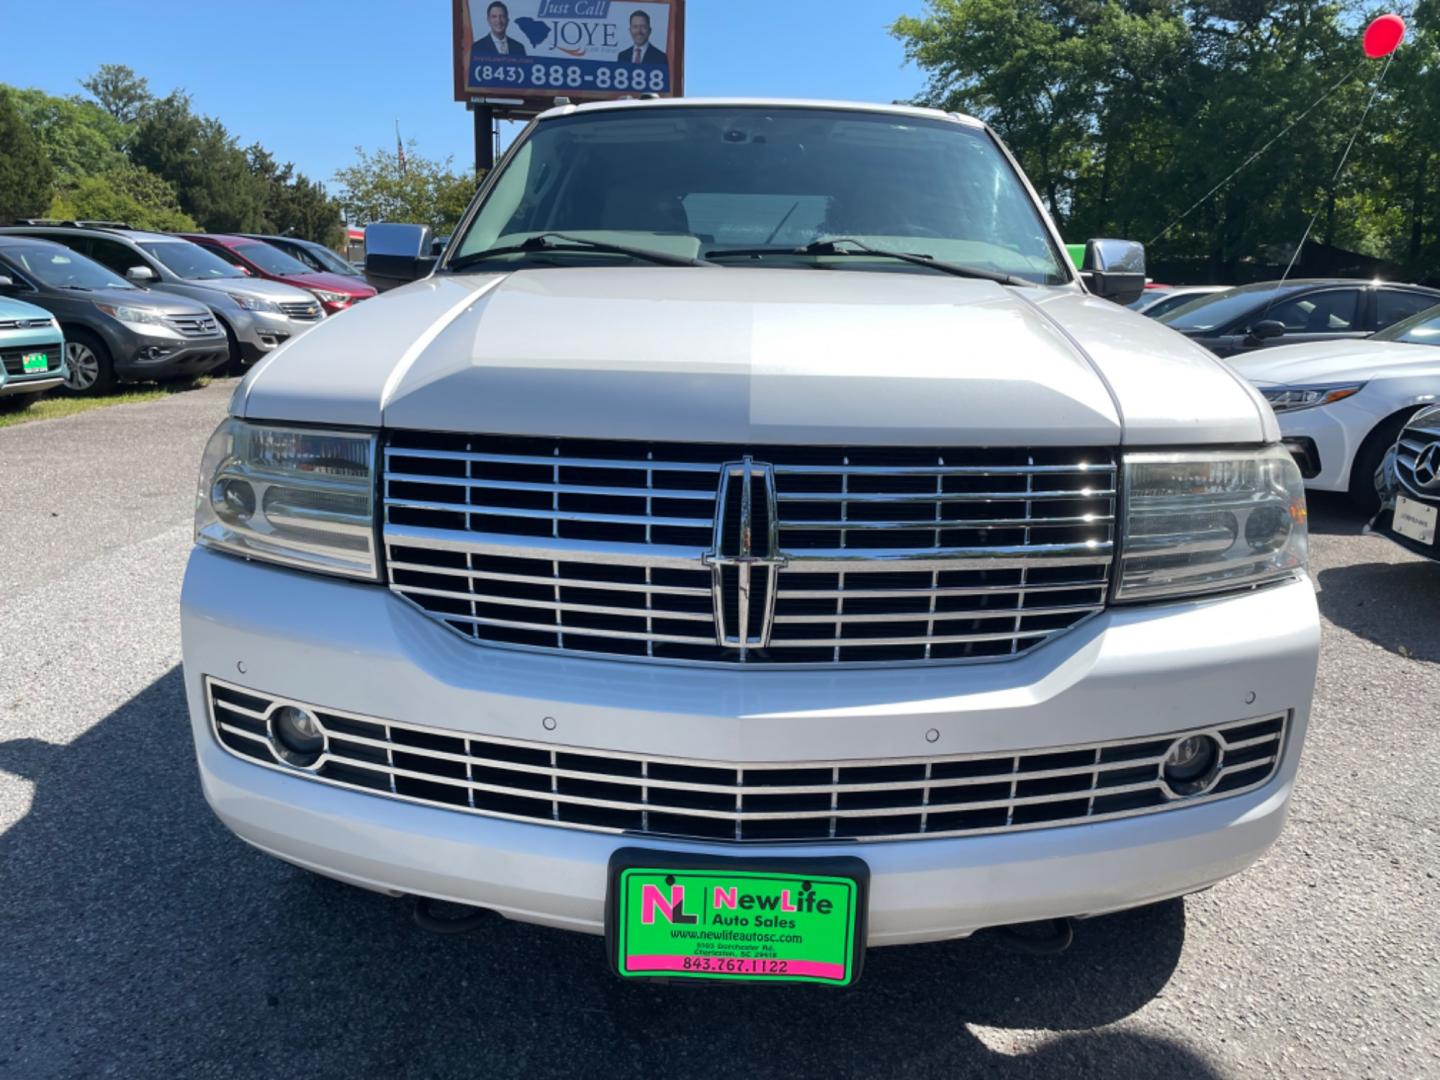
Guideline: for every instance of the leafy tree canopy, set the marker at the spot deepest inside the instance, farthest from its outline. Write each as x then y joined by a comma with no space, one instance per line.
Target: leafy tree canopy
26,176
377,187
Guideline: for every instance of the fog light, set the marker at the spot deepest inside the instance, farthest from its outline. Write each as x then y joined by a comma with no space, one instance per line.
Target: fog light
234,500
1192,765
296,736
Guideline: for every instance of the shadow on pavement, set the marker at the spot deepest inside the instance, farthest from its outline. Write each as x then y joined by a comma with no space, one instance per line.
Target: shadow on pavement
1395,605
142,939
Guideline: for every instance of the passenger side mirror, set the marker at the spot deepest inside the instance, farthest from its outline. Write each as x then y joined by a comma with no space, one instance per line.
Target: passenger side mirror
1115,269
1267,328
141,275
6,281
396,254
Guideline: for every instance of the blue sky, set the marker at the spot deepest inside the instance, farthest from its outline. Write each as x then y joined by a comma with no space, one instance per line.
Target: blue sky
312,80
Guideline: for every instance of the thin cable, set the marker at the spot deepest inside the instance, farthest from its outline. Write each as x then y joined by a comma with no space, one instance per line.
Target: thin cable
1294,255
1203,198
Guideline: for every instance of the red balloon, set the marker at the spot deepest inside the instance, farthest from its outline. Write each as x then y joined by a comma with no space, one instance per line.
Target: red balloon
1383,36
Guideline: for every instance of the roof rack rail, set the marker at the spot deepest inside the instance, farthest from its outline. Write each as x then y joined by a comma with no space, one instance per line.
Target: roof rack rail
85,224
48,221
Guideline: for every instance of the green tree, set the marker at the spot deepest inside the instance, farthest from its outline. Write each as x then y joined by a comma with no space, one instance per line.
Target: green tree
78,137
294,204
26,176
125,193
377,187
119,91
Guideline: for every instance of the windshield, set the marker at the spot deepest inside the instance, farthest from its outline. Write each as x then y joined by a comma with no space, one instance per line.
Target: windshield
700,181
61,268
1421,329
1215,311
322,258
191,261
271,260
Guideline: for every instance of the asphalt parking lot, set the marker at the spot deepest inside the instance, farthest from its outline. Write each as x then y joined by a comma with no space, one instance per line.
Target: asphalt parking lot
140,939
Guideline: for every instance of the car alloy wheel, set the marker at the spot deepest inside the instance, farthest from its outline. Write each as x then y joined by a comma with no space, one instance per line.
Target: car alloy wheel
84,366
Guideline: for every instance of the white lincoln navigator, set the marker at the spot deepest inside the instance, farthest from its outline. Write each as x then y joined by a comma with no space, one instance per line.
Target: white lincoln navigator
752,540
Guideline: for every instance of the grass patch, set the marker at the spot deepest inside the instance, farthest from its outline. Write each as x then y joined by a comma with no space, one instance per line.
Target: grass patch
45,407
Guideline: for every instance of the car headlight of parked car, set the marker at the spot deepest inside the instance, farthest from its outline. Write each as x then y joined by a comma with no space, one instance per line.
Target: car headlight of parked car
1290,398
299,496
257,303
1207,521
132,315
326,297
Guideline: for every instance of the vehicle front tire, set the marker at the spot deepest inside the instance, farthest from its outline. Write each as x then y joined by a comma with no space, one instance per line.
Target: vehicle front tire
1368,458
235,366
91,370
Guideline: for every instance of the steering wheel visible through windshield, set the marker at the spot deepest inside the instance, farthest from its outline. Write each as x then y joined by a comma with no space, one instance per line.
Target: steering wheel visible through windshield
754,185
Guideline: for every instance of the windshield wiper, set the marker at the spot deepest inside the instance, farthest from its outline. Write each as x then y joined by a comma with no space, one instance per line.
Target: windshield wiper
857,247
554,241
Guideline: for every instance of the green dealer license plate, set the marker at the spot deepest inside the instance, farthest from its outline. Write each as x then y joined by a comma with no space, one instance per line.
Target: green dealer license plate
34,361
672,916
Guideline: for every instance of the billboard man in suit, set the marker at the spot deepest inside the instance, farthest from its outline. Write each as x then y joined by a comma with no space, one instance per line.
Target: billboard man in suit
643,52
496,43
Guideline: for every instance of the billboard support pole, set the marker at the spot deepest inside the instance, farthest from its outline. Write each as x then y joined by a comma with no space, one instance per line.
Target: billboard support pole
484,138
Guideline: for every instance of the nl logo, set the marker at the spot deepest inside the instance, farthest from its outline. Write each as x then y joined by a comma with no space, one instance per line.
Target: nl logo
654,902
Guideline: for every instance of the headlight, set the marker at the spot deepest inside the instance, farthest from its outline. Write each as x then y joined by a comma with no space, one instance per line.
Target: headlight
1290,398
331,297
126,313
256,303
297,496
1207,521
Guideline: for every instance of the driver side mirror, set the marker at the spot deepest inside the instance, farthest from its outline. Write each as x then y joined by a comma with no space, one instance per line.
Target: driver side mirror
141,275
1267,328
6,281
396,254
1114,269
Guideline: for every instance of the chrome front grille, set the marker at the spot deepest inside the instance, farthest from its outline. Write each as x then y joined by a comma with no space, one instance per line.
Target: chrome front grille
300,309
193,326
1422,432
892,799
824,555
25,324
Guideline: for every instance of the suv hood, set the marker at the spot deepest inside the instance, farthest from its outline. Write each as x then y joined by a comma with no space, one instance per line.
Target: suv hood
11,308
255,287
754,356
164,303
1331,361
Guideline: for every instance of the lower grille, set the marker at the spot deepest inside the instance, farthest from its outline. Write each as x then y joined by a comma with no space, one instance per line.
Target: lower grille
14,364
193,326
893,799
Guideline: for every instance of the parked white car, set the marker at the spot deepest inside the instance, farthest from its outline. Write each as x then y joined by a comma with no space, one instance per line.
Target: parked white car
754,541
1159,300
1342,404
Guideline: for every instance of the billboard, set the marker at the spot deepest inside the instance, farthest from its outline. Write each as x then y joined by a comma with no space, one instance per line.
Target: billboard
522,54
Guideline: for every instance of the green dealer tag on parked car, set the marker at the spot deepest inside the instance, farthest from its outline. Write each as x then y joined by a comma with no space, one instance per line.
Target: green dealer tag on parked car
678,917
33,362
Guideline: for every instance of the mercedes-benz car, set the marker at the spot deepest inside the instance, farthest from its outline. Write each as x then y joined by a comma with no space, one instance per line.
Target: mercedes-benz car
1342,404
1408,483
752,540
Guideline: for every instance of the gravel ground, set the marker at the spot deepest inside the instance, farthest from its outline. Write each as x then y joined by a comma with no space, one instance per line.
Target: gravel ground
141,939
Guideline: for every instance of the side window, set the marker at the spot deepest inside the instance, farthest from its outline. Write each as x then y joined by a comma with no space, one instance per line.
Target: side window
113,256
304,256
1335,311
1392,305
224,253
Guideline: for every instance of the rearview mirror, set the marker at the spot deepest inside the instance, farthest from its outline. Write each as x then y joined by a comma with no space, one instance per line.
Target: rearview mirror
140,275
1267,328
1114,269
396,254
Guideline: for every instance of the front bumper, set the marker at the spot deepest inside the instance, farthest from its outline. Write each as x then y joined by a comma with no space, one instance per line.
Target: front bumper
262,332
146,357
1130,672
1331,436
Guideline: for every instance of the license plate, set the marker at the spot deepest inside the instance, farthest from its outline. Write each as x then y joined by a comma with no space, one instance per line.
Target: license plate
672,916
1415,520
32,362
